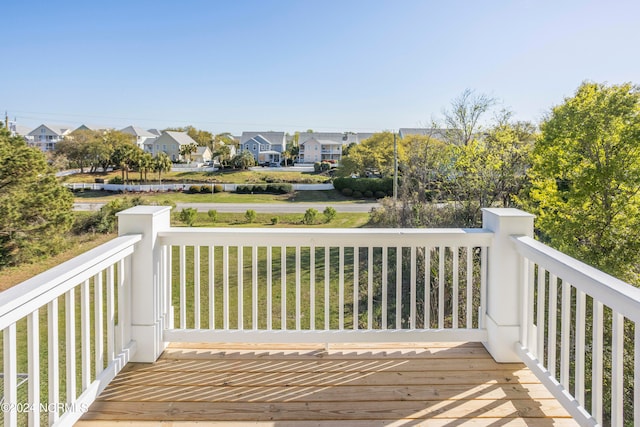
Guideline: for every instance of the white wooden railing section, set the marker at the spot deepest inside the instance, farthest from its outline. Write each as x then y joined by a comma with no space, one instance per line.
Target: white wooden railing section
580,335
66,335
125,300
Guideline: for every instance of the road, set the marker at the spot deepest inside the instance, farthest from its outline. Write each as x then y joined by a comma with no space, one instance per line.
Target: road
281,208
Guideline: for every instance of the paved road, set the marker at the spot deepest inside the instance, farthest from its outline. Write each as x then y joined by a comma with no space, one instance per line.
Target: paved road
258,207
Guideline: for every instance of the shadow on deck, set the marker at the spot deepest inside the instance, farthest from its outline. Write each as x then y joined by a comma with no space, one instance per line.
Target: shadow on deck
434,384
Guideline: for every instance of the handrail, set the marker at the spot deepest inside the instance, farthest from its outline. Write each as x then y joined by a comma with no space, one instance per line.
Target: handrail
605,288
20,300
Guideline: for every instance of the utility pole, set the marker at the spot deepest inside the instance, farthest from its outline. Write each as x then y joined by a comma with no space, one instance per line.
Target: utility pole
395,169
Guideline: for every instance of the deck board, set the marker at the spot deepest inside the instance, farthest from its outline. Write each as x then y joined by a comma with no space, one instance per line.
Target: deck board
284,385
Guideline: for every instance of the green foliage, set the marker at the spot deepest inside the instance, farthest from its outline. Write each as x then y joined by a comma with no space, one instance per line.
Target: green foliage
347,192
161,163
362,185
213,215
195,189
329,213
188,216
368,194
243,160
105,220
250,215
375,155
268,189
218,188
585,178
274,220
35,210
310,216
116,180
357,194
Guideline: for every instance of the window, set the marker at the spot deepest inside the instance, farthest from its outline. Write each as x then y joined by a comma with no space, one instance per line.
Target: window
255,147
164,147
43,130
246,146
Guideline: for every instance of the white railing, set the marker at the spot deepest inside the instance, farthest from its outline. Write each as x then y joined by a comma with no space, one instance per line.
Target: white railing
66,334
580,335
327,285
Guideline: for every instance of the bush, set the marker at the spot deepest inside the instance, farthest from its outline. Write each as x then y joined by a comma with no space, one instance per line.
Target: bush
329,213
347,192
316,167
368,194
194,189
218,188
116,180
250,215
213,215
205,189
357,194
274,220
188,216
380,195
310,216
363,184
270,188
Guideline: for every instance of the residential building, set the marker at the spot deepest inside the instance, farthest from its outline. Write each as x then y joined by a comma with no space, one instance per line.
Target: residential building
266,147
46,136
202,155
144,138
326,146
170,142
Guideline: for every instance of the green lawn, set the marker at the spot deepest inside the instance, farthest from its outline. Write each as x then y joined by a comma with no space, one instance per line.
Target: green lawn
342,220
332,196
226,177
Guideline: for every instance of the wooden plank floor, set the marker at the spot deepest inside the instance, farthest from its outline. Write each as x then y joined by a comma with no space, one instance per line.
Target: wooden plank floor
434,384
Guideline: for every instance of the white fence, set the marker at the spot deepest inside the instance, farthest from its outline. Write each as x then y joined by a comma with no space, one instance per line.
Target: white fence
83,345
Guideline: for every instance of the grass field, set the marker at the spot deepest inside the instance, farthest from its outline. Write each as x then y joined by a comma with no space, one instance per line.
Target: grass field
228,176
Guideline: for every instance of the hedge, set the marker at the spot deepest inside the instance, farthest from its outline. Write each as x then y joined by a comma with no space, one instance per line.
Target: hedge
363,185
268,188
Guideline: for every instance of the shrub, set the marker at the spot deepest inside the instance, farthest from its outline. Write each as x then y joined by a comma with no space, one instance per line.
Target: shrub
218,188
368,194
205,189
380,195
274,220
364,184
310,216
188,216
347,192
325,166
194,189
329,213
116,180
316,167
250,215
213,215
357,194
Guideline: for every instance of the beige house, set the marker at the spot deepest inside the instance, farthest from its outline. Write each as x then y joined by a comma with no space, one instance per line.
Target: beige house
202,155
46,136
170,142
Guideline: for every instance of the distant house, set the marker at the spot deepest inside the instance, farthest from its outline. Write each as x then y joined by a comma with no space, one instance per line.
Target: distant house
89,127
46,136
144,138
155,132
266,147
170,142
326,146
436,133
202,155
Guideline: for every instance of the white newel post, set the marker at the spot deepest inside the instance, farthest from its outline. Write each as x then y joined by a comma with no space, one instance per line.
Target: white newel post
503,282
147,278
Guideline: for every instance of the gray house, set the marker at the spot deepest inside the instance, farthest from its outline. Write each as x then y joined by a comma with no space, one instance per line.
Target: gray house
266,147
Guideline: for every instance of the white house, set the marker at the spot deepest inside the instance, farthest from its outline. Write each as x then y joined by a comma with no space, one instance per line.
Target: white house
144,138
266,147
202,155
170,142
326,146
46,136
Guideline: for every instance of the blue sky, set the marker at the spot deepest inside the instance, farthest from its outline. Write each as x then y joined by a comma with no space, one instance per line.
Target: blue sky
329,65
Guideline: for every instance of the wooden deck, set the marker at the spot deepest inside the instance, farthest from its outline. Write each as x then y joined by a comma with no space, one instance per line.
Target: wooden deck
434,384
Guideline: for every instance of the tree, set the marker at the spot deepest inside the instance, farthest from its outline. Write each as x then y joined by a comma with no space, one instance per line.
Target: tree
144,164
585,178
375,155
329,213
243,160
35,210
202,138
223,153
310,216
187,149
188,216
77,147
250,215
161,163
462,120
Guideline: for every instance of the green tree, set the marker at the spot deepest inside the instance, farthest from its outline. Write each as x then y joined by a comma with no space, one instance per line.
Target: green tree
186,150
144,164
329,213
77,147
250,215
243,160
35,210
310,216
213,215
223,153
188,216
161,163
374,155
585,178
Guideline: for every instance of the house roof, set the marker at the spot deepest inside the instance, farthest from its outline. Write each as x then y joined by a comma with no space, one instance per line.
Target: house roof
136,131
56,129
322,141
155,132
89,127
202,150
274,138
181,138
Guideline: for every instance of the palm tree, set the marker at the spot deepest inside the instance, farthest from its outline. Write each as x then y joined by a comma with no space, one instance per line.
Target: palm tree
188,149
223,153
161,163
145,162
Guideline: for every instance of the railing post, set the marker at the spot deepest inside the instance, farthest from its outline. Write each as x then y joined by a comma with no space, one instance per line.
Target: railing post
147,279
504,290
